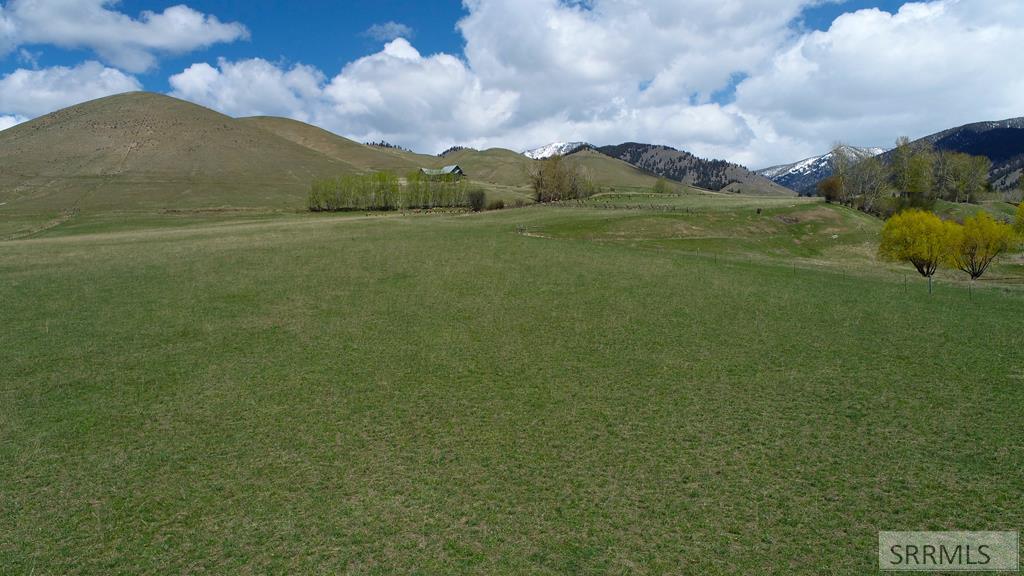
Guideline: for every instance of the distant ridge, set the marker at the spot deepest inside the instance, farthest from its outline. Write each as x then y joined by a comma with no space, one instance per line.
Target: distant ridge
1001,141
684,167
803,176
556,149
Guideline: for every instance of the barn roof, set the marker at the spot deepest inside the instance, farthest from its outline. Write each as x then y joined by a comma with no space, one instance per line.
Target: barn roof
446,171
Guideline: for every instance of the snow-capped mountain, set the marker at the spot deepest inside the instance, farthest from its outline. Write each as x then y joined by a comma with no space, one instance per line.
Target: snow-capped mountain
555,149
804,175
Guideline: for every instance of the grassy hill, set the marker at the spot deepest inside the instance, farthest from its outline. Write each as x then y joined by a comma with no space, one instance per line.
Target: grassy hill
370,158
143,150
607,171
959,211
493,166
509,168
497,166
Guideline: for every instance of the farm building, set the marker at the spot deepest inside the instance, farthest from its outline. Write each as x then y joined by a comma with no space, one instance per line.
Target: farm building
447,171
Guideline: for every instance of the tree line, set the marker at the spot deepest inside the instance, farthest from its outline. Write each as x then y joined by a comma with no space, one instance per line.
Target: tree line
385,191
910,176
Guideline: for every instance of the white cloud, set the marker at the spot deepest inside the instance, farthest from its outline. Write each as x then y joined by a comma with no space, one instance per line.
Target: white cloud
396,94
252,87
128,43
28,93
8,121
388,31
607,71
534,71
874,75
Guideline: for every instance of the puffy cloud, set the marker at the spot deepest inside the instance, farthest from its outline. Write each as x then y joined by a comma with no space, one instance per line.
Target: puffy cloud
396,94
612,70
536,71
874,75
588,53
8,121
388,31
128,43
252,87
27,93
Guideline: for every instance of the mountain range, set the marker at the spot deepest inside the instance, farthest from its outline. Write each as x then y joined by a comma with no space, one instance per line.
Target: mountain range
672,164
1001,141
718,175
556,149
803,176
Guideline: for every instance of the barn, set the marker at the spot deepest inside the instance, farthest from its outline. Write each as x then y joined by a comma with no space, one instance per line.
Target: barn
453,171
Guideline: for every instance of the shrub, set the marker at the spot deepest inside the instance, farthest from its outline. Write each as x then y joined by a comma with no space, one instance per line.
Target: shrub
496,204
830,189
554,180
921,238
477,199
980,241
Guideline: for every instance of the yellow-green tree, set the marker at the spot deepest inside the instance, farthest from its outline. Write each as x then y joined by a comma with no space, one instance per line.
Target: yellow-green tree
921,238
981,240
1020,216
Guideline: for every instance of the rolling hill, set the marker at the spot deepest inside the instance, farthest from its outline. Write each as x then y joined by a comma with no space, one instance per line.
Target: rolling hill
508,168
144,150
607,171
370,158
492,166
689,169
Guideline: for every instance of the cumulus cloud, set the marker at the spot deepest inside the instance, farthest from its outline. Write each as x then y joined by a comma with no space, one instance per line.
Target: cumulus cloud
397,94
736,79
28,93
128,43
874,75
8,121
388,31
252,87
535,71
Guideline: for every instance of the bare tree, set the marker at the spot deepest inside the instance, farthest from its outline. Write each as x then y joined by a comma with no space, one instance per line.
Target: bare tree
841,161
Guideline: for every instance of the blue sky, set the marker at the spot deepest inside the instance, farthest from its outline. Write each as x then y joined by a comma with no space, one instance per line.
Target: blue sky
747,80
322,33
285,31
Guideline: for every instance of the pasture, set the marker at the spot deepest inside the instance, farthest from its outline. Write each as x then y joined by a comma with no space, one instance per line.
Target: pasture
541,390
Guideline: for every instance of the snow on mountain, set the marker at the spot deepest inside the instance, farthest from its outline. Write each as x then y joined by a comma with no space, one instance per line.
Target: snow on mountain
554,149
804,175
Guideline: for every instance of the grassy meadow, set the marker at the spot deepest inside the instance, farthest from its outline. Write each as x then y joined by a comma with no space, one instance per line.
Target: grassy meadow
545,390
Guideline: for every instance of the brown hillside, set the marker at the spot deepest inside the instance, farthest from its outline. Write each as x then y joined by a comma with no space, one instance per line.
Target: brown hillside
144,150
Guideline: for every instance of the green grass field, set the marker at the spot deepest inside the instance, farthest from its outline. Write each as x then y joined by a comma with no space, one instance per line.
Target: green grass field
533,391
